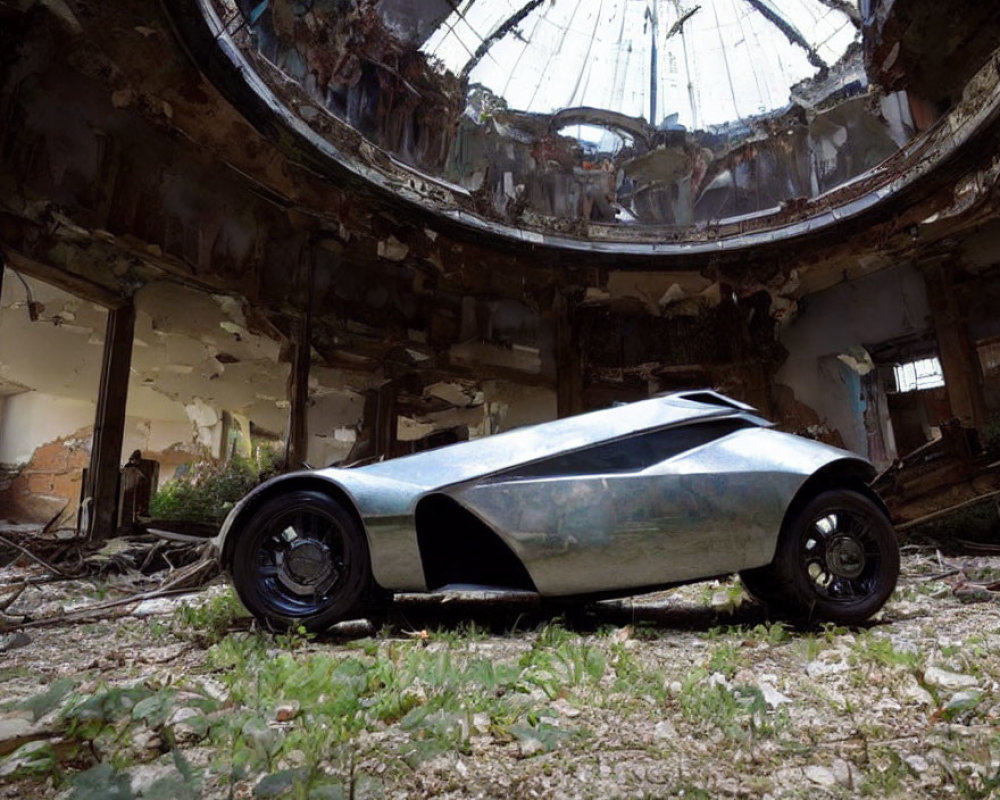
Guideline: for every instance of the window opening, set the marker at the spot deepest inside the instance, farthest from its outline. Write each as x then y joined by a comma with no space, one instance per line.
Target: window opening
923,373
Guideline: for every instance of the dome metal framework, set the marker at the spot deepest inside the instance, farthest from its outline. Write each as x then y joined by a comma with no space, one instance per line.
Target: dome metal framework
618,125
675,63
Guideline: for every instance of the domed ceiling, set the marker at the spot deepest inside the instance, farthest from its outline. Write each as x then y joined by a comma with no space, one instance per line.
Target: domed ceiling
624,125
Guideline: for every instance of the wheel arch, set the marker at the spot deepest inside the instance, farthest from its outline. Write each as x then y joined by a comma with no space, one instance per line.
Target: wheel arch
843,473
283,485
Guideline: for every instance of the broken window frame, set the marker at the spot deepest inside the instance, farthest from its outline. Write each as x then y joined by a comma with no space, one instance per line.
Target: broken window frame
918,374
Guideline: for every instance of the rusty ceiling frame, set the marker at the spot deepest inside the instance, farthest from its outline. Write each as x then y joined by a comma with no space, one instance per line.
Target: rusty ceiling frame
913,173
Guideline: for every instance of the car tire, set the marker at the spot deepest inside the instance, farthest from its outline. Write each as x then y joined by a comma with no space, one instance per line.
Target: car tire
837,560
302,560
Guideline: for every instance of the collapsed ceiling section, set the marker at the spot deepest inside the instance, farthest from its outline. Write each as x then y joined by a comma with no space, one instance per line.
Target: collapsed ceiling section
611,121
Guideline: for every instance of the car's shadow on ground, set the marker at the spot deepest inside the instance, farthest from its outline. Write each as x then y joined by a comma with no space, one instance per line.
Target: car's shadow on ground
424,617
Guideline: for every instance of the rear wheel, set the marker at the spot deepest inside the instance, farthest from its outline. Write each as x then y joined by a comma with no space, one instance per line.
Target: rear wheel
303,560
837,561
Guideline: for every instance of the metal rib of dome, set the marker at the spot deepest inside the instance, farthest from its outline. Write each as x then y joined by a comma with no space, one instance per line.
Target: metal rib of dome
689,63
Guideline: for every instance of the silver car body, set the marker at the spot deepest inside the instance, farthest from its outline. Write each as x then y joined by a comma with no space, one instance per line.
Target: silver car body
661,491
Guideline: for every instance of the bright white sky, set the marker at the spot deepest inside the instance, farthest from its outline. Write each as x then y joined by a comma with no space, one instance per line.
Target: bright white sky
569,53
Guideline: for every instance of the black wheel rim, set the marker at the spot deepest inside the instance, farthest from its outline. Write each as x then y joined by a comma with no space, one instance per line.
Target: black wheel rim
841,556
301,562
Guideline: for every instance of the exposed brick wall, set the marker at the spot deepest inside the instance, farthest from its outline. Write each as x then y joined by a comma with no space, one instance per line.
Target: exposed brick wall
50,481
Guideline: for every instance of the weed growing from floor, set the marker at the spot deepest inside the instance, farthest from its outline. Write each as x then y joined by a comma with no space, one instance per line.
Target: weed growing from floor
739,712
208,622
871,648
295,714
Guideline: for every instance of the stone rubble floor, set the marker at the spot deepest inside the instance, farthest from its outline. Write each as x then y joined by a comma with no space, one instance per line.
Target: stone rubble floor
685,693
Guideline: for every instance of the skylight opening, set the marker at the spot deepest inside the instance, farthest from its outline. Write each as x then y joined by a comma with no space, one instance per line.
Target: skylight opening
597,141
675,63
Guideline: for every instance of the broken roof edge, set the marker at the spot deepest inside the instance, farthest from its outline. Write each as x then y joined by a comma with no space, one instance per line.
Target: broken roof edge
905,174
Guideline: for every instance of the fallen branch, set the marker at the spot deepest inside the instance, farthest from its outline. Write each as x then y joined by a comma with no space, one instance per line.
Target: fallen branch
183,581
5,541
99,611
937,576
10,599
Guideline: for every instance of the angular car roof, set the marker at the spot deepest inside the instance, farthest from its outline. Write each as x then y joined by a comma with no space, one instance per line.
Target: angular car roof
467,460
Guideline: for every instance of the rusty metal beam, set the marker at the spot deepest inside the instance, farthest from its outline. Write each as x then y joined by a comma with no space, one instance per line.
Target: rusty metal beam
502,30
772,15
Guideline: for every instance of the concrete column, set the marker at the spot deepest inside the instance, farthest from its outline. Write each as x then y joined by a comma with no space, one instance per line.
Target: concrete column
109,424
959,361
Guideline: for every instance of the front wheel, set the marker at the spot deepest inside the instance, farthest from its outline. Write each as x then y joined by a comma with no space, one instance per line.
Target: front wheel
303,560
837,561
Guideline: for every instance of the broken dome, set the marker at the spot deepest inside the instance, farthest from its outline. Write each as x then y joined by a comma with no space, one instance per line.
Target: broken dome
620,124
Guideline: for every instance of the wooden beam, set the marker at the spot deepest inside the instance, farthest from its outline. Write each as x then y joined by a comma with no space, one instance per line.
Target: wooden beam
944,512
109,424
76,285
297,441
959,361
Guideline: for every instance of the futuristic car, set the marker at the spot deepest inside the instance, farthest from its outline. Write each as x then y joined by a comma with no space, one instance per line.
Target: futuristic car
676,489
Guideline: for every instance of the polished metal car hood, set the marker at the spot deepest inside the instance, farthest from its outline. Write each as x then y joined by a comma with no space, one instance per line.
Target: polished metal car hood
468,460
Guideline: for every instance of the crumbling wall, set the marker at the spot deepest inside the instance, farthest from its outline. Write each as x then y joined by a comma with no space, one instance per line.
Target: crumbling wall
45,445
33,418
344,59
49,483
841,321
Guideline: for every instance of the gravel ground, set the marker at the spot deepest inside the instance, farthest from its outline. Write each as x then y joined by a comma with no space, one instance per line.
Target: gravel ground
687,693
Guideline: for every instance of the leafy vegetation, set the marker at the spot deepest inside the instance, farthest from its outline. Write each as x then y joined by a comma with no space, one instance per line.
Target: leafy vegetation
209,489
434,693
646,709
209,622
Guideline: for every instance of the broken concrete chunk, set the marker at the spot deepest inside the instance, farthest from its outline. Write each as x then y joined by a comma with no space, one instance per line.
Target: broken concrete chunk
772,696
821,775
949,680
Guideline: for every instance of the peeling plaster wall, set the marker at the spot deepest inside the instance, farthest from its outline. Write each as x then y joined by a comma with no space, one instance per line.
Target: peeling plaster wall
60,352
31,419
511,406
334,418
45,444
880,307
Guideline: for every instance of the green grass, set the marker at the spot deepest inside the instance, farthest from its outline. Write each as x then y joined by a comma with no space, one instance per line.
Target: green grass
739,712
873,648
208,622
435,694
